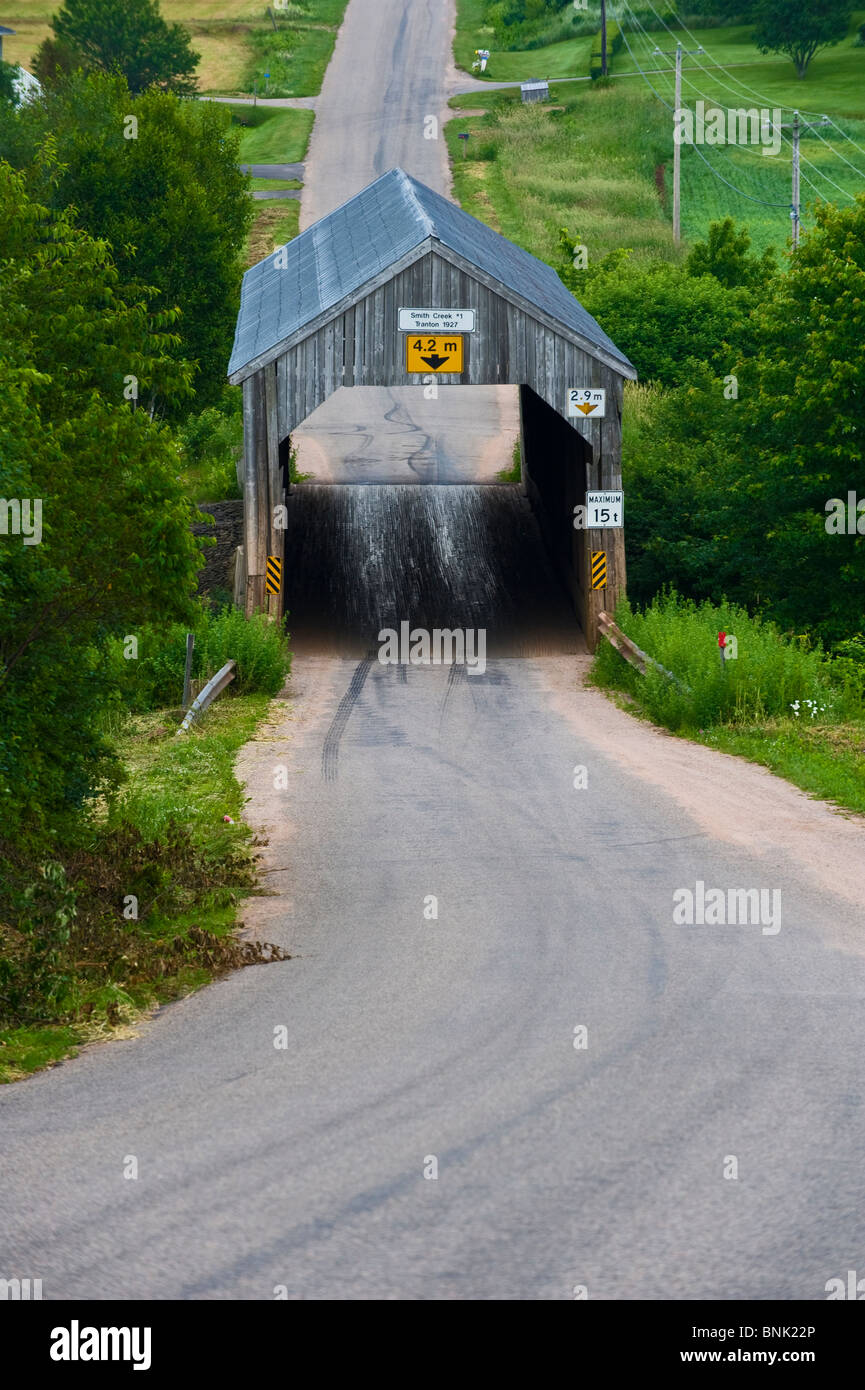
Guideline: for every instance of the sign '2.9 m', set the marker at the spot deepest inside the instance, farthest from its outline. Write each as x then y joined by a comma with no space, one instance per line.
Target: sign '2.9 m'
587,402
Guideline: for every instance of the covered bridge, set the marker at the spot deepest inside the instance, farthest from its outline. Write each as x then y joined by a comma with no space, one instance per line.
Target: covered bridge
331,309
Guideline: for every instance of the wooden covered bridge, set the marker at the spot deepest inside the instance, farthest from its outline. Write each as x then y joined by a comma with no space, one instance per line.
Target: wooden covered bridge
399,285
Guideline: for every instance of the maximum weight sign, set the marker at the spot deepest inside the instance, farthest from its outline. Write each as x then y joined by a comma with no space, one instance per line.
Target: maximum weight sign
603,510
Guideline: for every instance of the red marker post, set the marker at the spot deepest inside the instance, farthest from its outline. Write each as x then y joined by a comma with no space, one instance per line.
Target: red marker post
722,644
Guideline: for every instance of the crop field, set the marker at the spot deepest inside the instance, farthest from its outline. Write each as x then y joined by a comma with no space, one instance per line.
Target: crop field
237,41
598,158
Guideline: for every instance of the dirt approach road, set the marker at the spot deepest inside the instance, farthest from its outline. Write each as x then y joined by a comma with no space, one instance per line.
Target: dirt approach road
497,1065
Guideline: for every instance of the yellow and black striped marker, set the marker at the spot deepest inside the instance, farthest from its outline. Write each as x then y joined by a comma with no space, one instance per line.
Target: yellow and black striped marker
273,583
599,569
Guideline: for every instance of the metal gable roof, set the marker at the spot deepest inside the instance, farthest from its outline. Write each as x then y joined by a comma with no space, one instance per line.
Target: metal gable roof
345,250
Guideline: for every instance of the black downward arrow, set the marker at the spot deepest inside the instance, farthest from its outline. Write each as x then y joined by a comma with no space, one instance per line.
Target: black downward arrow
435,361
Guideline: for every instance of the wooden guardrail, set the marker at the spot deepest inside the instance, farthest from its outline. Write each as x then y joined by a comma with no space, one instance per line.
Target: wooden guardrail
214,687
630,651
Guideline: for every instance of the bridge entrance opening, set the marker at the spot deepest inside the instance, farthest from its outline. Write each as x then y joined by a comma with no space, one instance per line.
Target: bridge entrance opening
432,536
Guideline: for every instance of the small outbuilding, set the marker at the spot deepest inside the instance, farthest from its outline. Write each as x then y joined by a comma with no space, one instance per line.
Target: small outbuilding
536,89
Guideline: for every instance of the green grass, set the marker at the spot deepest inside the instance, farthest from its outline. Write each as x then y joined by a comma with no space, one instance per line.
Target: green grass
269,185
296,57
25,1050
748,706
825,761
589,167
188,778
705,199
277,221
272,134
567,58
834,82
182,787
514,474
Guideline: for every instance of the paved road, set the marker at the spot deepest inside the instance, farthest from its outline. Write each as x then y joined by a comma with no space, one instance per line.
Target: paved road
410,1039
415,1042
391,69
273,171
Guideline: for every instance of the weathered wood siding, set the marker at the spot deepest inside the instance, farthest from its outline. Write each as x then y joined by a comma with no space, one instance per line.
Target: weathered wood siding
361,346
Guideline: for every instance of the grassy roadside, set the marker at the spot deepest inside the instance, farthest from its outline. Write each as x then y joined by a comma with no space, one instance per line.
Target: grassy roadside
779,703
270,185
597,158
272,135
586,162
165,844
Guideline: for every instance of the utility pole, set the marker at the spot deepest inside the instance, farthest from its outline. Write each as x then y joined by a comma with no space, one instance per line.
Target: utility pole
677,148
603,38
797,125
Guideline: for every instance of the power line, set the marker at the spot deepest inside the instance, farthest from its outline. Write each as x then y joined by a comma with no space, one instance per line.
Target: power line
846,136
836,152
760,95
819,172
696,148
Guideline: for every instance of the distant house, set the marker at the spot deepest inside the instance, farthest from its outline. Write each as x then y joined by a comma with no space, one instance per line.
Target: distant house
26,86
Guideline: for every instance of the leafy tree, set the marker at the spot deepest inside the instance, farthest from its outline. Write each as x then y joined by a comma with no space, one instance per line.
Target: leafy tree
8,74
664,319
112,549
163,188
724,254
752,472
131,38
54,60
800,31
800,432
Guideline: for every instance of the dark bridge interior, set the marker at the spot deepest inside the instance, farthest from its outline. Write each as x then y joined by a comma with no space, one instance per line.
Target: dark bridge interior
363,557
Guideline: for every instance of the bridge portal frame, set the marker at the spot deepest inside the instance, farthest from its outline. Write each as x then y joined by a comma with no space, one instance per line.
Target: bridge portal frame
356,342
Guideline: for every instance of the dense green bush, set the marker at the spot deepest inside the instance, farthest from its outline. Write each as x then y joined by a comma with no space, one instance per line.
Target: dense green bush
114,546
769,675
524,25
154,678
210,444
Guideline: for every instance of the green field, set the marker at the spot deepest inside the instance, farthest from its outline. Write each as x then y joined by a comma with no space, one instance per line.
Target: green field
834,82
236,40
272,134
598,158
588,166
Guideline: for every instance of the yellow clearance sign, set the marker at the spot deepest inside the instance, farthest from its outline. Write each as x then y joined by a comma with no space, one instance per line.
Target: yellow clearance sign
438,353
